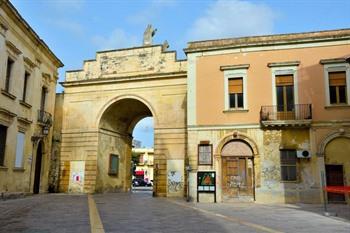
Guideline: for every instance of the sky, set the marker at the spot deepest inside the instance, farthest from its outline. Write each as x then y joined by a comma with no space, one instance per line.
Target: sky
75,29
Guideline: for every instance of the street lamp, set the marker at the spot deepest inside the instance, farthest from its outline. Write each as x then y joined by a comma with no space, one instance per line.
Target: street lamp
45,130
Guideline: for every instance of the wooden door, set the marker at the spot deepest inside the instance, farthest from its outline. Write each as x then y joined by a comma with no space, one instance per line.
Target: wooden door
237,175
335,177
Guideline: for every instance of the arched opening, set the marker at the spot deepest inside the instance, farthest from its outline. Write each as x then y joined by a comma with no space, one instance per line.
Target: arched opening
142,157
37,172
237,166
337,165
117,163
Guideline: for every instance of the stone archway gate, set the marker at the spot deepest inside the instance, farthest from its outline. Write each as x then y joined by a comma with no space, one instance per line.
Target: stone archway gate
147,74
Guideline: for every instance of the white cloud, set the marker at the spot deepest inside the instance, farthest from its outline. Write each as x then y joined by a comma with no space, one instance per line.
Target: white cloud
117,39
231,19
151,13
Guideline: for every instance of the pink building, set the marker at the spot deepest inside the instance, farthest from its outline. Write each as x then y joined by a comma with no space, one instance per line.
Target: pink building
270,115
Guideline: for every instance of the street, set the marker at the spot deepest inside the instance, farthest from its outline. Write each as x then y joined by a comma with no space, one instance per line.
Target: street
140,212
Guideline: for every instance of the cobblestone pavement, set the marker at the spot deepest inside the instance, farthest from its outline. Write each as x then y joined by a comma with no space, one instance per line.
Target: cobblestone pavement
139,212
45,213
282,218
142,213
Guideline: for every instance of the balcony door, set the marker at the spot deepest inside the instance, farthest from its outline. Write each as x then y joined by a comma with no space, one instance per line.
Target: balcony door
285,97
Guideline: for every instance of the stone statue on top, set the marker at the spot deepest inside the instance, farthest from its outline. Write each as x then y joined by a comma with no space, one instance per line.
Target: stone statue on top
148,35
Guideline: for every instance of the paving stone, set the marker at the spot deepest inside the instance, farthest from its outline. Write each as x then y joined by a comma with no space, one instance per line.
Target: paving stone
140,212
46,213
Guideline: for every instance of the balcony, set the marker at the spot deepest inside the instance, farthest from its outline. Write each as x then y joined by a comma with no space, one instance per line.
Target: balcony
297,115
44,118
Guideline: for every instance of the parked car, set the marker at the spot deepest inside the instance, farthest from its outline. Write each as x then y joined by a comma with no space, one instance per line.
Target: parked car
140,182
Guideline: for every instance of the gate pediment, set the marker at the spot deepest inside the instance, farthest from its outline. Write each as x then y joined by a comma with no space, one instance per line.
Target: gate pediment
146,60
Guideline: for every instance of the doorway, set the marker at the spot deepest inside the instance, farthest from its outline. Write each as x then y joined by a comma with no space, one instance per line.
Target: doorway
237,172
37,172
335,177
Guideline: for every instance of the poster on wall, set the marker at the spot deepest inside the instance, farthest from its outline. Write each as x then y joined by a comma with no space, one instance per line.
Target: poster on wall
206,183
175,177
76,178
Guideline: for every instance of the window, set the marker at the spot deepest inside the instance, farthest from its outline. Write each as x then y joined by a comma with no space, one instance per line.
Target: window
235,84
337,87
25,84
205,154
284,86
235,90
113,165
288,165
19,150
43,98
3,133
9,68
285,92
336,81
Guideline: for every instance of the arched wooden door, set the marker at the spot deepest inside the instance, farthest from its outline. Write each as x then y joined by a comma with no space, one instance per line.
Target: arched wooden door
237,171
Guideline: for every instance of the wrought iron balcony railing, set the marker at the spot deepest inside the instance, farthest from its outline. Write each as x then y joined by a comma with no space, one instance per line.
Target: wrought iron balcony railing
44,118
296,112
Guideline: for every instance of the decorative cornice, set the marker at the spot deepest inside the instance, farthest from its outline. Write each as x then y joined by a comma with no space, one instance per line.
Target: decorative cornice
268,40
234,67
142,77
21,102
11,46
3,29
24,120
29,62
334,61
46,75
8,94
7,112
283,64
3,26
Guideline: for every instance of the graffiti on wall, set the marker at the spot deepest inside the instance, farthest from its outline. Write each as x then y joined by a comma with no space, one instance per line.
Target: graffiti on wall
175,183
175,176
76,180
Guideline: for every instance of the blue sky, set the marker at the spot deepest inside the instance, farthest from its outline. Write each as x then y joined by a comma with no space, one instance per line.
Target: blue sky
76,29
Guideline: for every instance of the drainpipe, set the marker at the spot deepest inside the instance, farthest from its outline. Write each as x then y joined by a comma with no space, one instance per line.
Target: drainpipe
188,169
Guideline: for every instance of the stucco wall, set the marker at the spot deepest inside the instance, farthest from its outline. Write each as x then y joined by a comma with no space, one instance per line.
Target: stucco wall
310,81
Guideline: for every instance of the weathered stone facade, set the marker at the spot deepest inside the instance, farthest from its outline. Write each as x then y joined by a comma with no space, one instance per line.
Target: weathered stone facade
102,104
28,71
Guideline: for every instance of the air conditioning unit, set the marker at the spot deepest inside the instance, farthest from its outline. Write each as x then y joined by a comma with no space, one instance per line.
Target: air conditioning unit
303,154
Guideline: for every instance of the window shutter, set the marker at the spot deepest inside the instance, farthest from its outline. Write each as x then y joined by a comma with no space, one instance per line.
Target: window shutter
235,85
284,80
337,78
